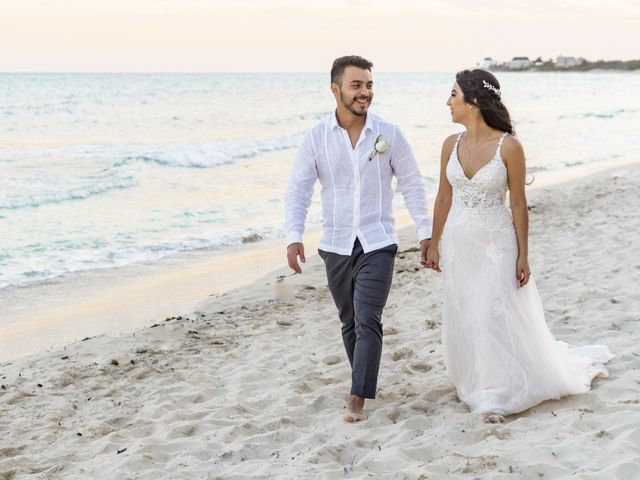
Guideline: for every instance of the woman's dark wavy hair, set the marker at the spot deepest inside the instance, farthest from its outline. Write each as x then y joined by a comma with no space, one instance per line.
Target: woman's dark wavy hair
493,111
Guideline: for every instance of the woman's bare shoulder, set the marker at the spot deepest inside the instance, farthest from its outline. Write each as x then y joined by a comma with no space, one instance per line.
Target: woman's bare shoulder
512,148
448,144
511,143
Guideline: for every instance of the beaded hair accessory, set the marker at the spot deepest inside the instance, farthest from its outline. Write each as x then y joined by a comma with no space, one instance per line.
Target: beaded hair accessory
488,86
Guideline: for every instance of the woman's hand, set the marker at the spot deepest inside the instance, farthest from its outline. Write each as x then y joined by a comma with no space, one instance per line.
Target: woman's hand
433,257
523,272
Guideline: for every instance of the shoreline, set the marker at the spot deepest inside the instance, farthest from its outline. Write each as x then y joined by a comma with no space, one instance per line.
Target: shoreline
118,301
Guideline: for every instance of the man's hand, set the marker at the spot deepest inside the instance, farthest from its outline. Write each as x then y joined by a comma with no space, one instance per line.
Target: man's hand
294,251
424,246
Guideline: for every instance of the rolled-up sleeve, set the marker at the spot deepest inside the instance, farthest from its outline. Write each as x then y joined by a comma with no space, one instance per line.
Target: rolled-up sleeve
300,190
411,184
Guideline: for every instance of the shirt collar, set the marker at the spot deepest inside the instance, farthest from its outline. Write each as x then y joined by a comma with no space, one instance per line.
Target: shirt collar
368,123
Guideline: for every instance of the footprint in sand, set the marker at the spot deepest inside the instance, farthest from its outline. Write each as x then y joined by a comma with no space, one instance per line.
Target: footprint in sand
394,415
302,387
400,354
332,360
20,395
390,331
282,423
142,431
500,434
431,324
183,431
422,406
441,393
8,452
320,403
423,367
479,464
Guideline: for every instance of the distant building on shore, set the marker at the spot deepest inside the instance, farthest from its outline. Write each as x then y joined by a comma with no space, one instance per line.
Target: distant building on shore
488,63
567,62
539,62
518,63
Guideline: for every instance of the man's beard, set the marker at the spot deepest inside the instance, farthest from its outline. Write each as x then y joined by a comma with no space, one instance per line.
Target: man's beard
349,105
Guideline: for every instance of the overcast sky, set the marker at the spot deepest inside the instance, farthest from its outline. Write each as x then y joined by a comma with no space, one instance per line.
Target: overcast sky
301,36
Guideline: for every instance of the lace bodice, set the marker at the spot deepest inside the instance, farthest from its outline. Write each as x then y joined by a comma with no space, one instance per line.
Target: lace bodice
486,189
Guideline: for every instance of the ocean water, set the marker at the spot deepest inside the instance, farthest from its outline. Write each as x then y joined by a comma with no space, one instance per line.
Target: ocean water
109,170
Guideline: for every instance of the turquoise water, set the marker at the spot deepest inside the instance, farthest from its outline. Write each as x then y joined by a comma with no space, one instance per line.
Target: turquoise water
100,171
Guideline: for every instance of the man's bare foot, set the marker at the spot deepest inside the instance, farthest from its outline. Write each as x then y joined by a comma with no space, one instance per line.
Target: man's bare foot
492,418
356,413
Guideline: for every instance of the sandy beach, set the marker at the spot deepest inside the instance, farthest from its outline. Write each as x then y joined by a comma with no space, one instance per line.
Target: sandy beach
253,383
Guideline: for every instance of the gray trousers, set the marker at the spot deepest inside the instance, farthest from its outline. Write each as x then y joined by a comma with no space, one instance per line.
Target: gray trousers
360,284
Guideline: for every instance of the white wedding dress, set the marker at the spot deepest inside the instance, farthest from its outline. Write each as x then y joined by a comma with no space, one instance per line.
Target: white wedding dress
497,348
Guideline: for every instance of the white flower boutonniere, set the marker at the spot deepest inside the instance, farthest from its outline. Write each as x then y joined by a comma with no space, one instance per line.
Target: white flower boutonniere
380,146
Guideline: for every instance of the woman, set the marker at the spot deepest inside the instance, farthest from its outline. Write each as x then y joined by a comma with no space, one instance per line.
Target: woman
497,348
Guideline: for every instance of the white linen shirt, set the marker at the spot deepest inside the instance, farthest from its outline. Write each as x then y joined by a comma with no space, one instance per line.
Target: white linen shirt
356,192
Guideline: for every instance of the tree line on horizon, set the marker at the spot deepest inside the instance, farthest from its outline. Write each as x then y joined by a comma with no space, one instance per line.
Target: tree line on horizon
585,65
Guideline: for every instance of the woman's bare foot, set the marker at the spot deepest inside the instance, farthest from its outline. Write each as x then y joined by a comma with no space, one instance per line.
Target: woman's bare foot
492,418
356,413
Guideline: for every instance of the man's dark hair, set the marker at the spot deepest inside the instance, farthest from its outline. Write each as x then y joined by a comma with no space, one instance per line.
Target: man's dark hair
339,64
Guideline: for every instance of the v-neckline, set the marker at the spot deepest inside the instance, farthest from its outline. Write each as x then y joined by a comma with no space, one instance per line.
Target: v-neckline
470,179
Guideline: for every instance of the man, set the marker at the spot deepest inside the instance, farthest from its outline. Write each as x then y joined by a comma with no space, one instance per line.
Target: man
355,154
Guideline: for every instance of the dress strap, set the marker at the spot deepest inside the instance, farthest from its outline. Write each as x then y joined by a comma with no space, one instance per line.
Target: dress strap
500,142
455,147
